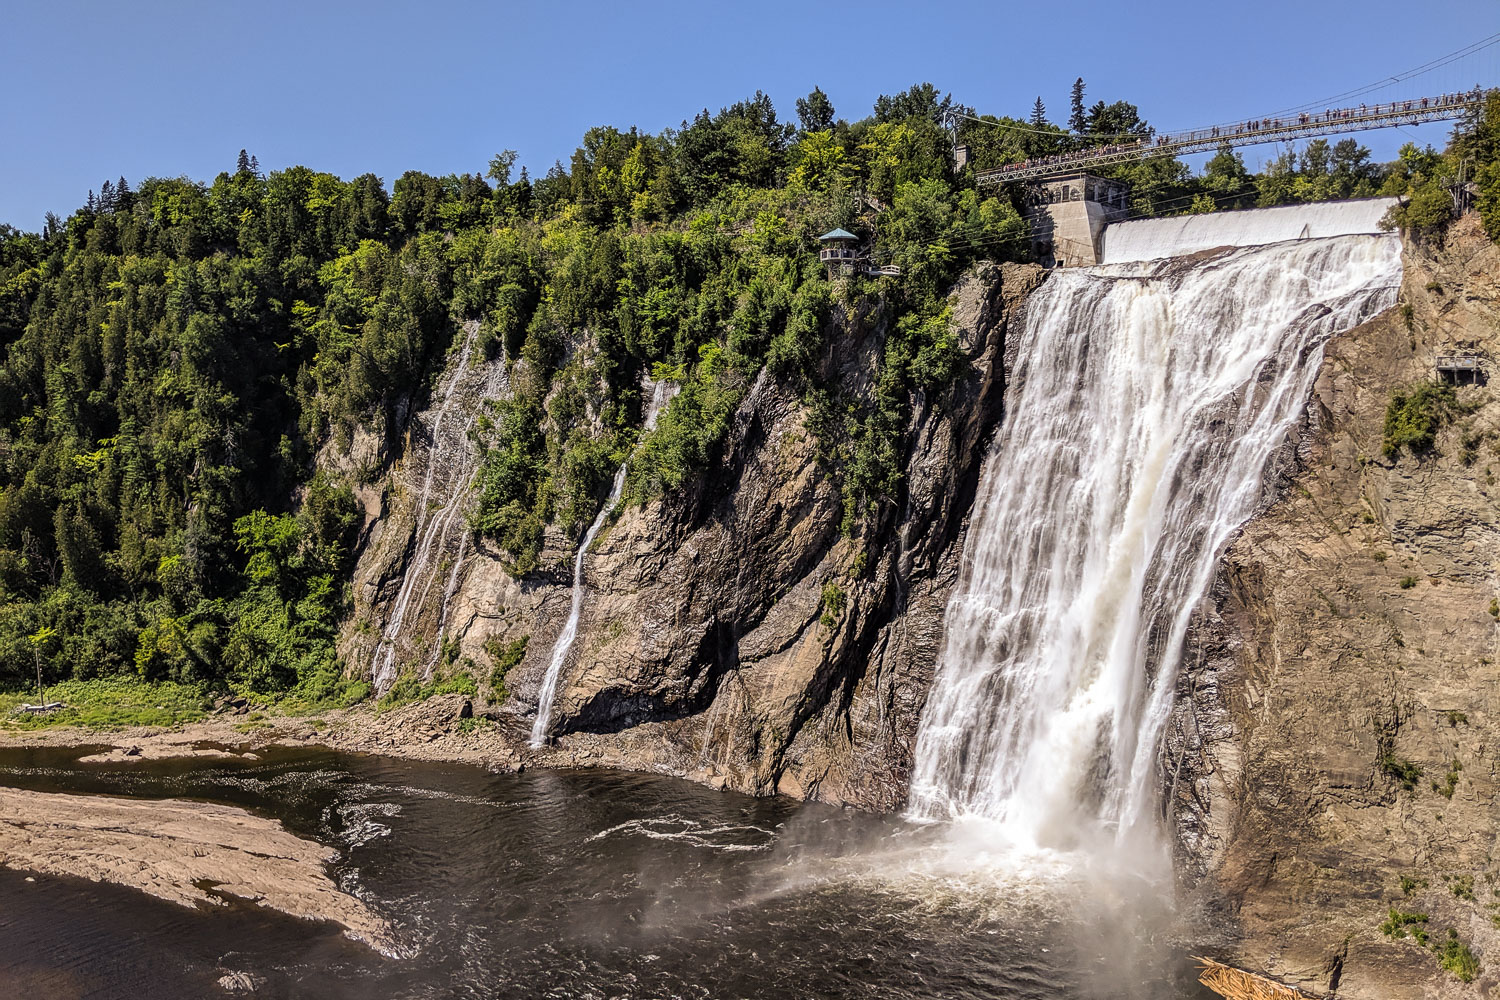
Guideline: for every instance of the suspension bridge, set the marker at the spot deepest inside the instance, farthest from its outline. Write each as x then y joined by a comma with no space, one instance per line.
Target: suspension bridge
1289,128
1441,89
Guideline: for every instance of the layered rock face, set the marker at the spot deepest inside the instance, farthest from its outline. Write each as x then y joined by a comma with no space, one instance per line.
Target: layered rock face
734,634
1334,751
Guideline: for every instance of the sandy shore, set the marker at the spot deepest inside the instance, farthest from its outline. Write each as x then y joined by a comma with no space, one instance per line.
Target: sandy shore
190,853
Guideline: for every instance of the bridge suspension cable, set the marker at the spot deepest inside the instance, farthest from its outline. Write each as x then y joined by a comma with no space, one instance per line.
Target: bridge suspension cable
1332,121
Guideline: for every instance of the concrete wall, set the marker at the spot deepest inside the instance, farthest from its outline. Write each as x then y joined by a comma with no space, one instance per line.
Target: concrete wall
1074,229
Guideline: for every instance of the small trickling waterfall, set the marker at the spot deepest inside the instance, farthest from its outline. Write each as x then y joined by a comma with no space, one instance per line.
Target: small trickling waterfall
1146,404
439,505
661,394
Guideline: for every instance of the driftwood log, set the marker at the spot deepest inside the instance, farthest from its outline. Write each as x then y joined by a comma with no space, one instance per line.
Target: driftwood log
1237,984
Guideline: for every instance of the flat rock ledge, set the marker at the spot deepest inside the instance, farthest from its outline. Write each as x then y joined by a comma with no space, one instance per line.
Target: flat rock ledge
190,853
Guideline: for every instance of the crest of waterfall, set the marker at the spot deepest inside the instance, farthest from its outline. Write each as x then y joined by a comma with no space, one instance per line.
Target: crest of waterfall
661,394
1146,404
439,479
1178,235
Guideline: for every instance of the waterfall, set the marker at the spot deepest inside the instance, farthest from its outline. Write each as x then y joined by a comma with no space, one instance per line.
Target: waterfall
450,466
1146,404
661,394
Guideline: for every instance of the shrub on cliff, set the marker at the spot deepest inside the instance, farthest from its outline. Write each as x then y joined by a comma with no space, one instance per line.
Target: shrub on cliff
1413,418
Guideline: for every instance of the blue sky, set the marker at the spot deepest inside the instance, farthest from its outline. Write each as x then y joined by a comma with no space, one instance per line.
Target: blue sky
90,91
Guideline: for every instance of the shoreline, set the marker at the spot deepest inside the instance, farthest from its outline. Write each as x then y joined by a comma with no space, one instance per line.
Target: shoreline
427,730
448,728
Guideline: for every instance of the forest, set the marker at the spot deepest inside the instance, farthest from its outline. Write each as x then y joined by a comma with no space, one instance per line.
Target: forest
175,354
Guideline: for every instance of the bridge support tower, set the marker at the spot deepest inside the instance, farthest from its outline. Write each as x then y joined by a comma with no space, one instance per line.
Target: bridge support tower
1068,215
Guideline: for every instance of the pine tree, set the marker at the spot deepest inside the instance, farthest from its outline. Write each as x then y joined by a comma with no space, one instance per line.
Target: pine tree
106,197
815,111
1038,113
254,164
1077,120
242,164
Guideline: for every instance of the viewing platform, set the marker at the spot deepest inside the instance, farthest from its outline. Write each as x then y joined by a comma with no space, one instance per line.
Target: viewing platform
1460,369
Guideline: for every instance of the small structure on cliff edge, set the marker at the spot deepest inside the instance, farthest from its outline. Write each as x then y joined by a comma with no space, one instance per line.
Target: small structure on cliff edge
1068,216
841,255
1460,369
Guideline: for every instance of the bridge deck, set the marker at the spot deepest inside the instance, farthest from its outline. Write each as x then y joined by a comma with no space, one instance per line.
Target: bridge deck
1331,122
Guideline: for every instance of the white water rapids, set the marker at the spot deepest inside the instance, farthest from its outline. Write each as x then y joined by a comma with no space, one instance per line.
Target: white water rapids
1146,404
661,394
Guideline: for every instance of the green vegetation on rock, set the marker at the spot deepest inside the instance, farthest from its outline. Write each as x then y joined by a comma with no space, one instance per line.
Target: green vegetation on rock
175,356
1455,956
1413,418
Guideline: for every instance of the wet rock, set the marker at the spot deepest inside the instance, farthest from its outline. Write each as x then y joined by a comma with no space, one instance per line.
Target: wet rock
240,982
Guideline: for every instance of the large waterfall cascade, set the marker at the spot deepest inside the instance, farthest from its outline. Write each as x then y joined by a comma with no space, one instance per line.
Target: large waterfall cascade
1146,404
440,503
661,394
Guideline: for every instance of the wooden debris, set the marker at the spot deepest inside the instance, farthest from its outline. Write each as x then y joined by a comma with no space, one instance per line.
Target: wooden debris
1237,984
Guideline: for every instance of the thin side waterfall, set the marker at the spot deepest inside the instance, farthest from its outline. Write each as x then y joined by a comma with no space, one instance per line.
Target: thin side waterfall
1146,405
661,394
451,464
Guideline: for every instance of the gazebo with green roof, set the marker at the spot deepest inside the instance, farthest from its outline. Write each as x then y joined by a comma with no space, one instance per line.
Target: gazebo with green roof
840,251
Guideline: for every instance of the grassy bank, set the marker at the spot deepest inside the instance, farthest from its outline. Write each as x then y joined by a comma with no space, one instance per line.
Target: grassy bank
108,703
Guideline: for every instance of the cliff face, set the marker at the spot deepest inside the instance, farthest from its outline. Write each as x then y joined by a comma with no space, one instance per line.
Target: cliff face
1334,751
707,646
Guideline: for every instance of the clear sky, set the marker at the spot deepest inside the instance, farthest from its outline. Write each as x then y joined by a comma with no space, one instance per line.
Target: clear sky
96,90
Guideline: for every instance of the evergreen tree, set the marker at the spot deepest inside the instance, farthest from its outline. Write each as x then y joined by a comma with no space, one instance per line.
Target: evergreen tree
1038,113
815,111
1077,118
107,197
242,163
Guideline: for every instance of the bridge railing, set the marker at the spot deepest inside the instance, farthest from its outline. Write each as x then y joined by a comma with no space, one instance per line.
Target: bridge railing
1280,129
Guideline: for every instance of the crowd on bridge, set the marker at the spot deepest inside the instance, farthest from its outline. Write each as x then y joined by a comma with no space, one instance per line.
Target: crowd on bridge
1331,116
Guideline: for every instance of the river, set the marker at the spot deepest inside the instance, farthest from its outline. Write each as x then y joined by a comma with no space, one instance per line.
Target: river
579,884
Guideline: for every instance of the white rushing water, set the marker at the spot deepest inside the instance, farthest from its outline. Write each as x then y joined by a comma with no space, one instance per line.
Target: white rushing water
1145,406
661,394
451,461
1176,235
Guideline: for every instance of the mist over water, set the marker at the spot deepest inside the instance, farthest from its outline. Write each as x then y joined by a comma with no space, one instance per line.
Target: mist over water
1146,403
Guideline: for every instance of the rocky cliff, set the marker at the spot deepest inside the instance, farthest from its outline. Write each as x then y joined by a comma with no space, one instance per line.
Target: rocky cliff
1332,765
731,633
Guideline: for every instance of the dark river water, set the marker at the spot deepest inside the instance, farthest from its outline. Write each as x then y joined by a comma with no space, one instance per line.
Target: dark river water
586,884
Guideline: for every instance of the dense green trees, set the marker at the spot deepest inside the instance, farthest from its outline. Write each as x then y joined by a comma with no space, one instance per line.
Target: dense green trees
1434,183
173,357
